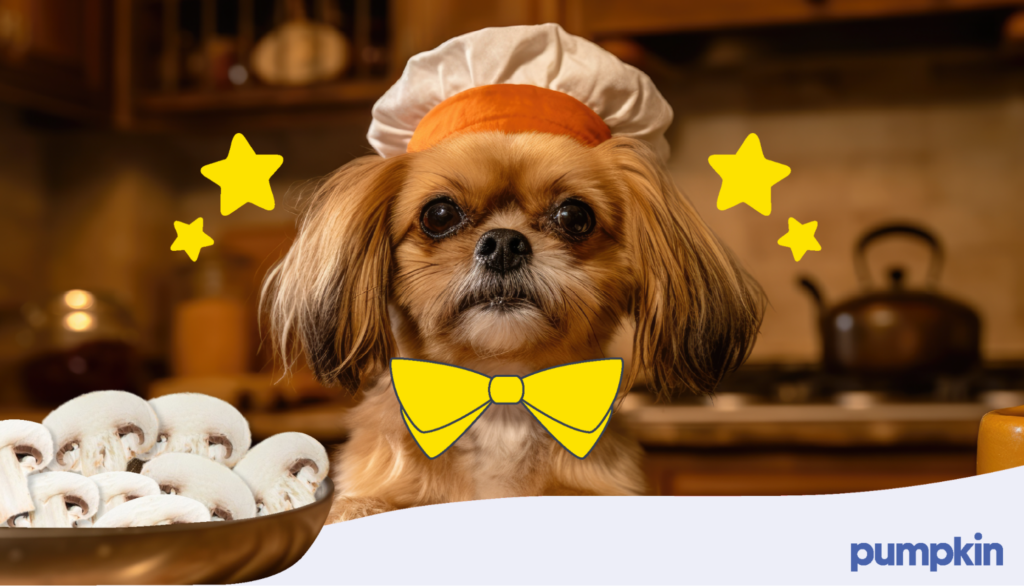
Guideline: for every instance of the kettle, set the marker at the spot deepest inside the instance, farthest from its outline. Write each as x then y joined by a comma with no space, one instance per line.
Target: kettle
897,332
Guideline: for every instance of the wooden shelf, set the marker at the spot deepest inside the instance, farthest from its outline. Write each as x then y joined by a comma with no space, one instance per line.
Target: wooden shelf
603,18
347,93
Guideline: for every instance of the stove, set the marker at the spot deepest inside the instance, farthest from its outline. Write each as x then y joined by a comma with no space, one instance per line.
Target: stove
800,405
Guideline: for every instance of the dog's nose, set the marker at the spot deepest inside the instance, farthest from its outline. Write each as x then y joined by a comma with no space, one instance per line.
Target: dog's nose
503,250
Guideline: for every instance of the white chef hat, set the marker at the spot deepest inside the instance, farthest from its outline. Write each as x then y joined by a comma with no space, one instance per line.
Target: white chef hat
518,79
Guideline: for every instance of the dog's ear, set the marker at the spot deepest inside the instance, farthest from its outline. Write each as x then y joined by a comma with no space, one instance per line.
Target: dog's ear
697,311
328,297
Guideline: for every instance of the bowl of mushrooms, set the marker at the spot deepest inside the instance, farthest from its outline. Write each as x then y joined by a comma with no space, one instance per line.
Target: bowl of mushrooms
112,489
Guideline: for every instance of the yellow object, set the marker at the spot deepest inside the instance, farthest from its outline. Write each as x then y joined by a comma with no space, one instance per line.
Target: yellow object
800,238
747,177
79,321
506,390
191,238
440,402
78,299
1001,440
243,177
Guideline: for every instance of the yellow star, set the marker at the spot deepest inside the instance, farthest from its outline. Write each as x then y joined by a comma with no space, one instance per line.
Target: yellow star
800,238
747,177
244,177
191,238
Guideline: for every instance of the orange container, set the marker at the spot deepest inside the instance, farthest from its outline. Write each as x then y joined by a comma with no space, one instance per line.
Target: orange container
1001,440
211,337
211,326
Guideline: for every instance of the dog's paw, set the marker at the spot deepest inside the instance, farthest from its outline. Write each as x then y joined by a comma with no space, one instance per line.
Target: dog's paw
347,508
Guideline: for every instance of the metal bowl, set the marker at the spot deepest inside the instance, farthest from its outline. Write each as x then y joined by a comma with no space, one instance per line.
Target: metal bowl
199,553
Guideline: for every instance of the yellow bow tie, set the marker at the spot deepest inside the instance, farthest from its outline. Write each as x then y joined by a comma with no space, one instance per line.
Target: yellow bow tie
439,402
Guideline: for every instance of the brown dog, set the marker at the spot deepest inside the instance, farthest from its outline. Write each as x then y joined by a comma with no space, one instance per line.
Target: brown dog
504,254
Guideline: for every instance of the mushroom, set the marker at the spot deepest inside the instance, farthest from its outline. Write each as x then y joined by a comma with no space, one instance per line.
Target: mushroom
101,431
284,471
160,509
223,492
25,447
194,423
117,488
60,499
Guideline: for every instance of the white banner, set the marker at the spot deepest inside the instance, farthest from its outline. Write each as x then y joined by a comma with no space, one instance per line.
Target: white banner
967,531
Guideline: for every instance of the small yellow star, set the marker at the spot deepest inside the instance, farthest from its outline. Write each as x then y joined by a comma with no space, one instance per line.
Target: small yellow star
800,238
244,177
191,238
747,177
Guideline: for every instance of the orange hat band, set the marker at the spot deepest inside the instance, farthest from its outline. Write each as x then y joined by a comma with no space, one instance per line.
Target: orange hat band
509,108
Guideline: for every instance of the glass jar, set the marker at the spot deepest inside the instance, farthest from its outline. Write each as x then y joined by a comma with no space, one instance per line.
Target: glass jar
211,328
81,341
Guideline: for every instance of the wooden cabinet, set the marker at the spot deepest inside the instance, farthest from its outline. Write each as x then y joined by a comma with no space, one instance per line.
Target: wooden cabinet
54,56
165,43
602,18
135,62
425,24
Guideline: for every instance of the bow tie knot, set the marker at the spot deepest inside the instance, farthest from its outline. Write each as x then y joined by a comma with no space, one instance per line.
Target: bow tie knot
440,402
506,390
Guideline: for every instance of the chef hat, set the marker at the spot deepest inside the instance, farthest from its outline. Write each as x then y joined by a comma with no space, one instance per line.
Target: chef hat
518,79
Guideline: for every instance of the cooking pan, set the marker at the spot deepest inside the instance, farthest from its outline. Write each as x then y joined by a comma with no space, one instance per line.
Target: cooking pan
898,331
194,553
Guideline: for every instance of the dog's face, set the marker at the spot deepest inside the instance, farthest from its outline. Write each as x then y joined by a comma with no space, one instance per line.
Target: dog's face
517,248
510,247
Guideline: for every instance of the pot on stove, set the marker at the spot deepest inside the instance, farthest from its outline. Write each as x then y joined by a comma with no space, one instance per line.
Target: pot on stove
897,332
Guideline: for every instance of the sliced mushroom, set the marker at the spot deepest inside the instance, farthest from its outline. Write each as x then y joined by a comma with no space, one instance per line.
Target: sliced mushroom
161,509
284,471
194,423
117,488
25,448
223,492
61,499
101,432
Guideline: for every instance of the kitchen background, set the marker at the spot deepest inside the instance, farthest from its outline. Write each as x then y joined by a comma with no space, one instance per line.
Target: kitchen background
887,111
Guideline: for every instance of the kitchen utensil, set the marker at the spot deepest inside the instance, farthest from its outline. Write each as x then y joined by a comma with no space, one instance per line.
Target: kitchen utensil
210,332
82,341
209,63
196,553
1001,440
897,332
300,51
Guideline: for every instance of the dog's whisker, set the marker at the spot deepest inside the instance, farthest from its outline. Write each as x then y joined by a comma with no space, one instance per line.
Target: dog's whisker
414,277
414,271
586,318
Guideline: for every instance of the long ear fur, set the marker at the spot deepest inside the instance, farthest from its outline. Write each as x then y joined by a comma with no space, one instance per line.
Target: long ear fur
328,296
697,311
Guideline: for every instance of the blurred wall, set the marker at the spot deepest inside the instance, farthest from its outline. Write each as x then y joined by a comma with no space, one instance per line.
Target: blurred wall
94,209
956,168
23,201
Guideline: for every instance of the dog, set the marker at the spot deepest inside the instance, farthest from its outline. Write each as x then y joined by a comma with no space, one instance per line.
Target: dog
505,254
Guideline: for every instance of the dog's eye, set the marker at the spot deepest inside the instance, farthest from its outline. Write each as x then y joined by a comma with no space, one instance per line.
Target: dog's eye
575,218
440,217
